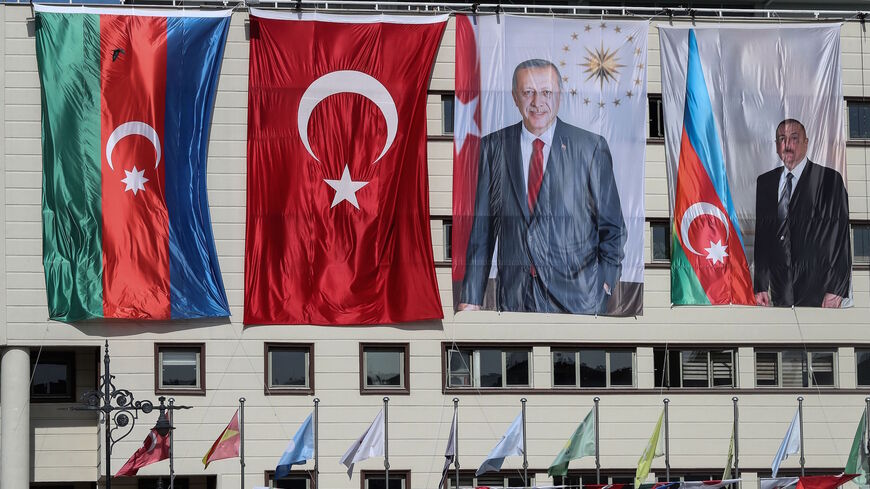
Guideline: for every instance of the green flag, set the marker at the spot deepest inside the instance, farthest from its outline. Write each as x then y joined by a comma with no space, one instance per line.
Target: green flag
727,473
581,444
858,462
654,448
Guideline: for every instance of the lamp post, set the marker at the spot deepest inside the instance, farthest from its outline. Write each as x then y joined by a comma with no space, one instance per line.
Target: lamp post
119,408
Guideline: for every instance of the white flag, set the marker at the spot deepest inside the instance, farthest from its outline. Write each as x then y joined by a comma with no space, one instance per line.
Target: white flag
370,444
791,444
510,444
450,452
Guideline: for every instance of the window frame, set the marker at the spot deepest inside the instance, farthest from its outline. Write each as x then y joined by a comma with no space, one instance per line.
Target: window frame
807,362
655,98
158,373
66,357
443,96
867,351
711,379
666,224
405,371
269,477
849,138
607,381
475,361
853,227
268,389
365,474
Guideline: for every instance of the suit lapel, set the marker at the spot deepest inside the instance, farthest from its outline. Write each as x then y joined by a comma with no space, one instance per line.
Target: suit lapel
514,163
803,191
554,172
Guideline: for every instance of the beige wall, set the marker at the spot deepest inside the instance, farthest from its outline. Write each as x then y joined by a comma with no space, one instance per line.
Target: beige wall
700,423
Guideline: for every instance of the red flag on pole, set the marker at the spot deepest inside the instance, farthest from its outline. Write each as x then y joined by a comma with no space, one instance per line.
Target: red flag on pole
227,443
338,194
824,481
154,449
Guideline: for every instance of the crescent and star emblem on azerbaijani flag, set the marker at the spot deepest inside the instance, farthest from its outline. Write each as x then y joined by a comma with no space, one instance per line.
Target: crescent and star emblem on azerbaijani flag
716,252
347,81
135,179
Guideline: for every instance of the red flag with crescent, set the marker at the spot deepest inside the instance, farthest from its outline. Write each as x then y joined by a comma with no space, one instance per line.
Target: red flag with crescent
338,196
154,449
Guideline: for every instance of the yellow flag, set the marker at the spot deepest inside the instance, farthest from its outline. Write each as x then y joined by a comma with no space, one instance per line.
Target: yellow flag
727,473
654,448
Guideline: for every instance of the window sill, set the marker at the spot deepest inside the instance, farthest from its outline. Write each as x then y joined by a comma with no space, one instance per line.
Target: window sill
370,391
179,392
288,391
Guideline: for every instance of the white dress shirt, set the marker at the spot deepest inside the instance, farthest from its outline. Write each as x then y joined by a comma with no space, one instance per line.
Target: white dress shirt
797,175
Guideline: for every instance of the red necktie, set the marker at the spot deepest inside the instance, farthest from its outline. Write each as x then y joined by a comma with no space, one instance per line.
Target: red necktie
536,173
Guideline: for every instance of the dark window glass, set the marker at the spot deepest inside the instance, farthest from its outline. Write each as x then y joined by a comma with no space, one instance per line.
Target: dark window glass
53,376
656,116
154,483
464,480
723,368
861,242
447,113
291,483
179,367
694,369
448,240
621,367
384,368
460,368
661,241
564,368
859,119
376,481
794,368
823,368
490,368
288,367
862,357
593,369
517,367
766,369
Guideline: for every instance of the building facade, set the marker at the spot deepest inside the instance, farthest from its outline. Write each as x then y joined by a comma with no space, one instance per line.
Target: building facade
699,358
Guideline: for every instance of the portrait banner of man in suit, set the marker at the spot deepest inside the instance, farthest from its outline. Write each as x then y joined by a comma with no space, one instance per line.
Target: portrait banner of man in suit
774,124
549,146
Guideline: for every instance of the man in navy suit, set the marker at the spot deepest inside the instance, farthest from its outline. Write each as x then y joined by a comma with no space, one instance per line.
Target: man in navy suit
547,196
802,251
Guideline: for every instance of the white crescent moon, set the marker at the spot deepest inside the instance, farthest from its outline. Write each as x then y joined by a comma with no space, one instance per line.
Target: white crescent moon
347,81
153,442
129,129
695,211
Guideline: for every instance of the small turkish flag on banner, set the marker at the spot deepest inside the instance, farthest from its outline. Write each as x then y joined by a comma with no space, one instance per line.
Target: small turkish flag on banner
338,204
154,449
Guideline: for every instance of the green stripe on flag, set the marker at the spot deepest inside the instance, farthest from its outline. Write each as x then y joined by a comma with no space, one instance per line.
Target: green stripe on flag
68,55
686,289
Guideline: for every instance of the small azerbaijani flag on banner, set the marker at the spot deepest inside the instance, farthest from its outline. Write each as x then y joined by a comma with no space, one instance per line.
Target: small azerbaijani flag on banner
227,444
709,263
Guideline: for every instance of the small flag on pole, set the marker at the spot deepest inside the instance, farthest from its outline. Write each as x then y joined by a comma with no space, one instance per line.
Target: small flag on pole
654,448
450,452
581,444
369,444
730,460
226,445
791,444
859,462
154,449
300,448
511,443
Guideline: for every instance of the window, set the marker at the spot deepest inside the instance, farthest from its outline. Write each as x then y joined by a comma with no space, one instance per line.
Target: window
592,368
447,113
180,369
660,239
656,116
862,358
448,239
289,368
859,119
695,476
294,480
373,479
694,368
861,242
384,369
158,482
585,479
53,376
795,368
489,367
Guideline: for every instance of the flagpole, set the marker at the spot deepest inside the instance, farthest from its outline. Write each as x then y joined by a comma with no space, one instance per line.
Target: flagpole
242,439
316,440
867,421
667,444
456,438
736,440
171,451
801,423
386,443
597,453
525,454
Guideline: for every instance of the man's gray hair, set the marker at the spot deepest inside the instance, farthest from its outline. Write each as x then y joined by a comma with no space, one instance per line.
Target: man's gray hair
535,63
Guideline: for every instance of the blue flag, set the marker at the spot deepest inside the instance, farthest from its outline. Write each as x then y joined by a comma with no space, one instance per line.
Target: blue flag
510,444
300,449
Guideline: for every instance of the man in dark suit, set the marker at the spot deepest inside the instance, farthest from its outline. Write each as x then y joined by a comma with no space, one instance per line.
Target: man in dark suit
546,194
802,251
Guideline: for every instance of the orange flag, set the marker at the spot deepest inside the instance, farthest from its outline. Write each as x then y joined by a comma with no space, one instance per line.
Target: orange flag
227,444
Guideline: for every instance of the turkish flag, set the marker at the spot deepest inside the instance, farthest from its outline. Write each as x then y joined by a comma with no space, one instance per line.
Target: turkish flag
338,195
154,449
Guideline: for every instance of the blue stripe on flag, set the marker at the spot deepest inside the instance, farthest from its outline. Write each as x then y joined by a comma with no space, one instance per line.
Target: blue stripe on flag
194,53
701,129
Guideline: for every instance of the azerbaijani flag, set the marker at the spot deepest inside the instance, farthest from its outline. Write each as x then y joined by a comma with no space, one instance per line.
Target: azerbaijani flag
127,100
709,263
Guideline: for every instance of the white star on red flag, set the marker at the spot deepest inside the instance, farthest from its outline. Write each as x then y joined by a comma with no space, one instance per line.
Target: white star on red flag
345,189
716,252
465,124
135,180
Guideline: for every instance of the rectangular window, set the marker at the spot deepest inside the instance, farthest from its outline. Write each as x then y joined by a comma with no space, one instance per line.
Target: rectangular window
489,367
862,359
289,368
656,116
53,376
180,368
694,368
294,480
447,113
660,239
859,119
861,242
795,368
157,482
399,479
593,368
448,239
384,369
579,480
499,480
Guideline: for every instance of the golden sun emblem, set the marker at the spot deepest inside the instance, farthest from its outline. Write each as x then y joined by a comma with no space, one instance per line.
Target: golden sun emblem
601,64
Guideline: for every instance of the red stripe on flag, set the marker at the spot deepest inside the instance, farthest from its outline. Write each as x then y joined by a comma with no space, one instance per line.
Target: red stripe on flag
707,235
135,224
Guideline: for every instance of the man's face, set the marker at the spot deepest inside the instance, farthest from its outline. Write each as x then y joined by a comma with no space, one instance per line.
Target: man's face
537,96
791,144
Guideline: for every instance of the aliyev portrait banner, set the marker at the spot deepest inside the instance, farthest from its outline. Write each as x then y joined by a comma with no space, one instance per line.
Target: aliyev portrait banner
549,143
756,165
